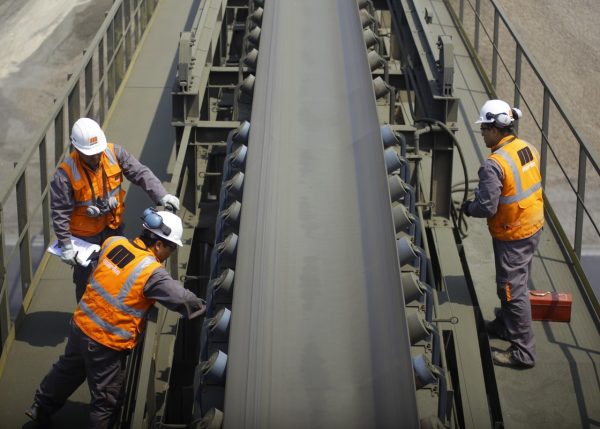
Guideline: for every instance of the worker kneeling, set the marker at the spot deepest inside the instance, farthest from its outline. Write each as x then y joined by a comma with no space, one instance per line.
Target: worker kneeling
106,325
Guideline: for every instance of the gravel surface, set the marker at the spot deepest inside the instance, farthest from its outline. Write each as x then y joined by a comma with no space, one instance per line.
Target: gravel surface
564,38
42,41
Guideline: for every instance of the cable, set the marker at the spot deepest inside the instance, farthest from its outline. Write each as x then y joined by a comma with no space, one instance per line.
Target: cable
462,161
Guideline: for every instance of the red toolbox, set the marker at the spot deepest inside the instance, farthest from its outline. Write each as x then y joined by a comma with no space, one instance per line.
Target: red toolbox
553,306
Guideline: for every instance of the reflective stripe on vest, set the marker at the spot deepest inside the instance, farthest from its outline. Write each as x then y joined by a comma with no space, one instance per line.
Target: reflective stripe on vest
113,307
117,301
104,325
109,155
106,187
521,194
133,277
520,211
73,166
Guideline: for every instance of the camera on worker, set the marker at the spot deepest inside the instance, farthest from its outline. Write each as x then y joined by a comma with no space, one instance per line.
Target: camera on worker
102,206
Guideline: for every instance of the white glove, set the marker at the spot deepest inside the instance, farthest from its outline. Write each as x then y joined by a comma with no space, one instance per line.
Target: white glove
69,256
170,200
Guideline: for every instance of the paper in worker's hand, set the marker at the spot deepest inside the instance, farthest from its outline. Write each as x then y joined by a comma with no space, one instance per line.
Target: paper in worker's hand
83,249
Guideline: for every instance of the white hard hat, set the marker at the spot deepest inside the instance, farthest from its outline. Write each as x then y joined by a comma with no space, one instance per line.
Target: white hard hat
499,113
87,137
164,224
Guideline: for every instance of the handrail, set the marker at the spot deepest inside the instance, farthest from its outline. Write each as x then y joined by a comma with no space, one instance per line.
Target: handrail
586,152
89,91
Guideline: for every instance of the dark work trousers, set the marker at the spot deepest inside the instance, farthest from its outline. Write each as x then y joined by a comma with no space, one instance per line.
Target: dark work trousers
81,274
513,267
84,358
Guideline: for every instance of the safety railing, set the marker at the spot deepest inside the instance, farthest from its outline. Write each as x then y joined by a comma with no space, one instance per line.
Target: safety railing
569,165
25,224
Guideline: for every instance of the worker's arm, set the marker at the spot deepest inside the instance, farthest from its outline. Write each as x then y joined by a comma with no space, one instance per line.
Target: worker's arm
162,288
61,203
140,175
488,194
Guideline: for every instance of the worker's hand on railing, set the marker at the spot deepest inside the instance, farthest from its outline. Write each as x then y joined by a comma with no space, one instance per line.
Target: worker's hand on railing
171,202
69,255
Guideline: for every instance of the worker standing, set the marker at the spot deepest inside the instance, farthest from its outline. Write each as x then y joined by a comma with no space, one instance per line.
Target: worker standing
87,196
509,195
128,280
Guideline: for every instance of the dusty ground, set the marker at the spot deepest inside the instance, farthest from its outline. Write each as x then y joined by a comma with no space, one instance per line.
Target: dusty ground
42,41
564,37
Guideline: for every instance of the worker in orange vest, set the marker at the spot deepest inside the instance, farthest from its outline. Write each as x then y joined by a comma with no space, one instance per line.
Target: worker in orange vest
509,195
87,196
107,322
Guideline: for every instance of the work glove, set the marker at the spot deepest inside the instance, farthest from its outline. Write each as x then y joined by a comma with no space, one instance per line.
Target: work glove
201,309
198,308
69,256
465,207
170,201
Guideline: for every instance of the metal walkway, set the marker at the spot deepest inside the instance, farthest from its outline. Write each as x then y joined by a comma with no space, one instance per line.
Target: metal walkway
563,390
140,121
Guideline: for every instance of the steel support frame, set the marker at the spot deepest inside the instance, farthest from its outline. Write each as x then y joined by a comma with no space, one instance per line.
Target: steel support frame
188,101
198,138
419,56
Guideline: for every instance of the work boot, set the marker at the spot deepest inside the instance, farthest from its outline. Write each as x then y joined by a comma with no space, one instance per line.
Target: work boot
38,415
495,328
507,358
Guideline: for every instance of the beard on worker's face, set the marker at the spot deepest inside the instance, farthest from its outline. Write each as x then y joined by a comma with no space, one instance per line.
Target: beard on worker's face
92,161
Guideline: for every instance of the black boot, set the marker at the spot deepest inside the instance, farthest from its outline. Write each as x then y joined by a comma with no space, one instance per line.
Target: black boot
39,415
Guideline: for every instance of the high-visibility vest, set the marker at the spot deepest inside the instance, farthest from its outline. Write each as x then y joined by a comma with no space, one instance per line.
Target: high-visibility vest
520,211
113,306
81,224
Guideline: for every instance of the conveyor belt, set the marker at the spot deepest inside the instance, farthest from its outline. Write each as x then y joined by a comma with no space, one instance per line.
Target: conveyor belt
318,335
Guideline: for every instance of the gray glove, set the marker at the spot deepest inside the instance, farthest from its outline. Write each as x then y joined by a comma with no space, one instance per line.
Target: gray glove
198,308
201,309
69,256
465,207
170,200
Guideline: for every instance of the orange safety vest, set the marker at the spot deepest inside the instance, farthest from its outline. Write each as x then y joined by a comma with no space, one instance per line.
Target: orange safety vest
106,181
113,306
521,207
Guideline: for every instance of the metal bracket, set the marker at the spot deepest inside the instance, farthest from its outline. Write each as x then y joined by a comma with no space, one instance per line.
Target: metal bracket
446,65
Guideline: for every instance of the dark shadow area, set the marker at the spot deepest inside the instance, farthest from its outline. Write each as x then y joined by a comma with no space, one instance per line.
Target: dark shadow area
74,415
44,328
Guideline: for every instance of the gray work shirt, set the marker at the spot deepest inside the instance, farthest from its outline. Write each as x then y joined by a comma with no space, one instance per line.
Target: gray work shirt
162,288
62,199
487,194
